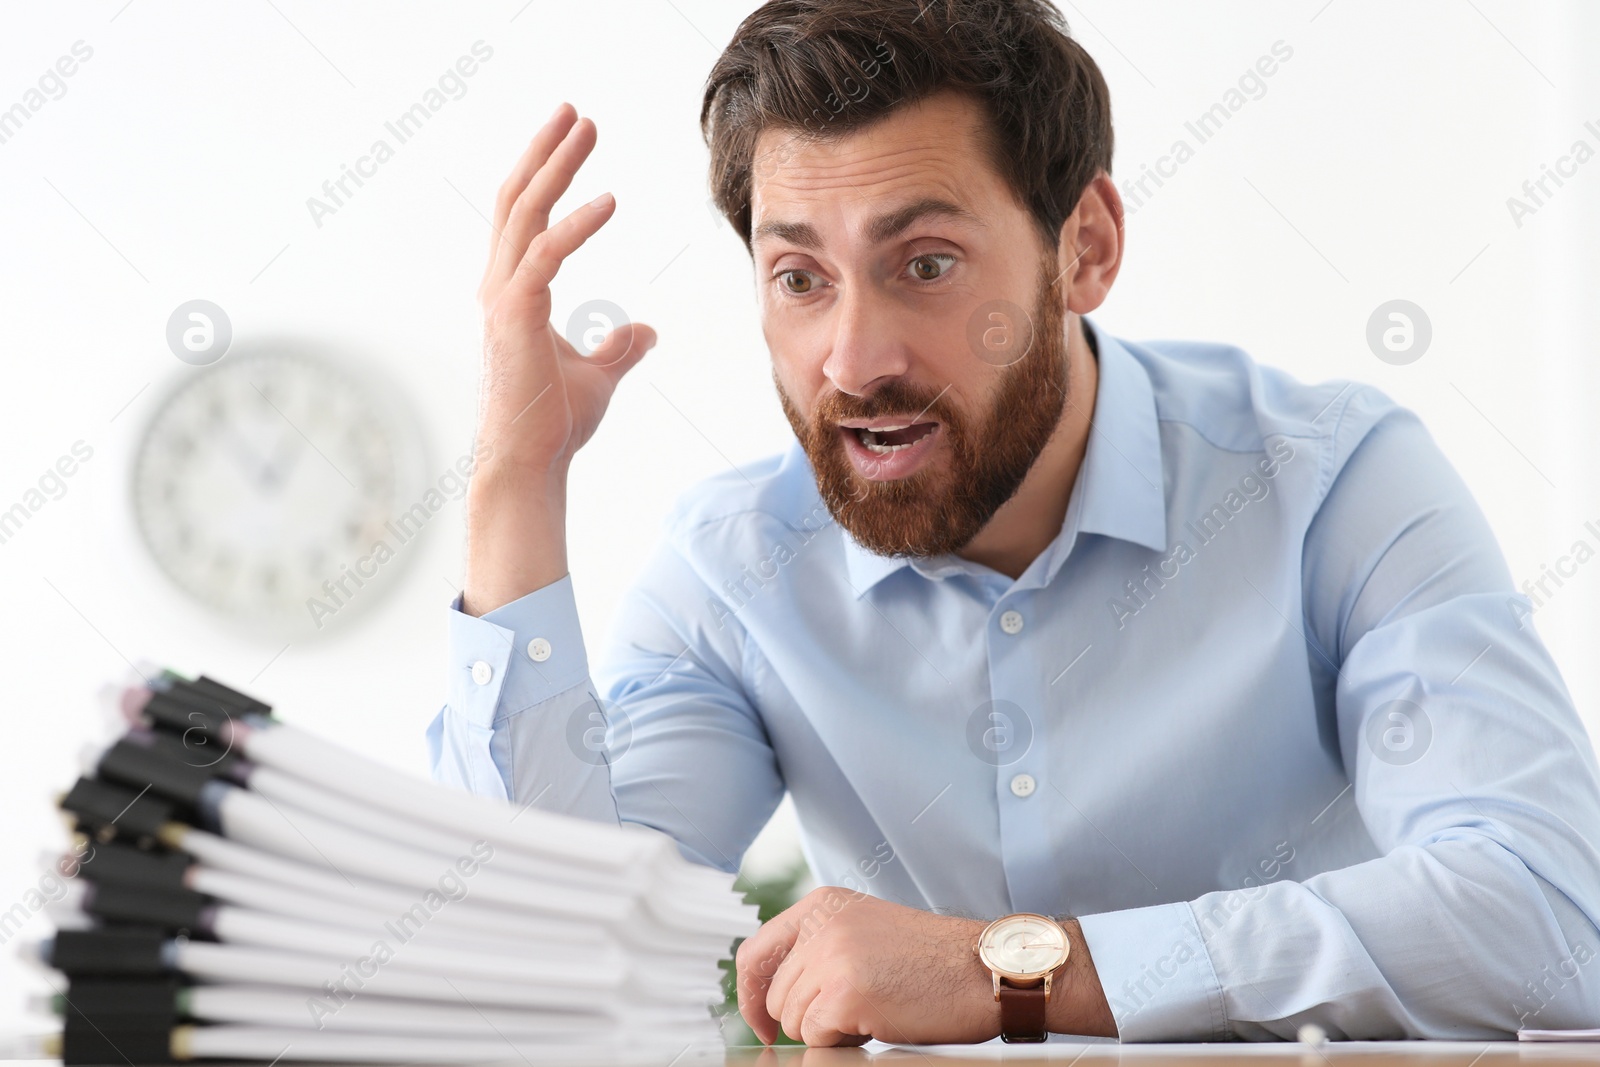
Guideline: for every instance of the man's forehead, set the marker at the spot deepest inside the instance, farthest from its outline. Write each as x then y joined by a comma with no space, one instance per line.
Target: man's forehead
945,120
918,161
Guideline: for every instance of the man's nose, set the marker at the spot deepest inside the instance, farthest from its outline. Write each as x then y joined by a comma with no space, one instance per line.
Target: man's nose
868,344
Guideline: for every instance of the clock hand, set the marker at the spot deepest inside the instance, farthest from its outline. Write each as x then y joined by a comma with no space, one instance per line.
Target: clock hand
280,465
244,452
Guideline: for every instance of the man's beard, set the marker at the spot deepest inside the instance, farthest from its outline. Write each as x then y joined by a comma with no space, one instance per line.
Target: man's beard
934,512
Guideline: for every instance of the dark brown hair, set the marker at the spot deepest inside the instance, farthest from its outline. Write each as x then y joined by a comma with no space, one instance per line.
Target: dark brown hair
821,68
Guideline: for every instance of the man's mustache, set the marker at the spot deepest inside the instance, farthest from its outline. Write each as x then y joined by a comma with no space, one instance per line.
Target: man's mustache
891,398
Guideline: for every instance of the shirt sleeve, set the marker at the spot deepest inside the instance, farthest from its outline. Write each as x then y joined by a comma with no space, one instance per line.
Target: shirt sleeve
668,739
1472,773
518,684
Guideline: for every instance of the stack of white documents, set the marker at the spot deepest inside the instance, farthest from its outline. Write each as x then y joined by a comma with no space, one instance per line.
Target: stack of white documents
240,888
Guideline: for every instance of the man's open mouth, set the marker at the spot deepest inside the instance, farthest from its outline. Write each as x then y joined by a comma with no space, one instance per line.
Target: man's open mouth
886,438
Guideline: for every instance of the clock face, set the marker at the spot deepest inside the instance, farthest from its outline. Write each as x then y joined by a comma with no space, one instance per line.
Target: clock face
264,477
1024,945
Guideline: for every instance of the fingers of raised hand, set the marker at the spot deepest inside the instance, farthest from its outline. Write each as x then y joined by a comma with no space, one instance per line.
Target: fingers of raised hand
543,259
528,214
551,134
533,157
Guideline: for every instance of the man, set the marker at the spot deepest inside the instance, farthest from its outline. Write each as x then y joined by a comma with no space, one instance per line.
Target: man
1220,673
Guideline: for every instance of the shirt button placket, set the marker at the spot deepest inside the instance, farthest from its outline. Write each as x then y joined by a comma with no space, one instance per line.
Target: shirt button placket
1024,838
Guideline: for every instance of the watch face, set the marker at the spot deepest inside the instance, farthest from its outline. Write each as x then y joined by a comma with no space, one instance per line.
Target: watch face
1023,946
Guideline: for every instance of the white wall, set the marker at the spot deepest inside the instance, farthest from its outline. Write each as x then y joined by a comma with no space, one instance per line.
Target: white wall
177,165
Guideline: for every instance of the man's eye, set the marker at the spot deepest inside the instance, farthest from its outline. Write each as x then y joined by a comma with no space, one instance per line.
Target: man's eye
786,279
926,268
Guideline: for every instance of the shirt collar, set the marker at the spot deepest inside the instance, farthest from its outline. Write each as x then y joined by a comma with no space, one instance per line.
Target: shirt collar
1119,490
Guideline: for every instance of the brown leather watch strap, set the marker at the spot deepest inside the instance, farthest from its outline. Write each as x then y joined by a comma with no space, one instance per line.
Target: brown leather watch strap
1022,1013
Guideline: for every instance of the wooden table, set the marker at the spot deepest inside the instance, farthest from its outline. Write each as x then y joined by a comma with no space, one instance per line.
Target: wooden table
1062,1054
1071,1054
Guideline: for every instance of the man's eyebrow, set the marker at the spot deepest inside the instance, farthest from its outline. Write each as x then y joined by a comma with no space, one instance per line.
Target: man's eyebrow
881,228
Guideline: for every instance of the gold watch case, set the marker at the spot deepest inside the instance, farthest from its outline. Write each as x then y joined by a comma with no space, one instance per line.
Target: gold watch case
1042,952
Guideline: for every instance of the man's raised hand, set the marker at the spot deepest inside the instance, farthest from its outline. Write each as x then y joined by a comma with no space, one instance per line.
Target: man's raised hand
541,399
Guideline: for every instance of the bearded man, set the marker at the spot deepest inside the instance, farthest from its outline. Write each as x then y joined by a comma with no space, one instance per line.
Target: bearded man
1130,690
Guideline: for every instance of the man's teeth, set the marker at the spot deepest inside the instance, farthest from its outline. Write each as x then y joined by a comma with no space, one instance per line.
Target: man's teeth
869,438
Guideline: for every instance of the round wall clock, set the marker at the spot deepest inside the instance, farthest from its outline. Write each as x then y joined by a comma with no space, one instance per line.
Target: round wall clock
265,486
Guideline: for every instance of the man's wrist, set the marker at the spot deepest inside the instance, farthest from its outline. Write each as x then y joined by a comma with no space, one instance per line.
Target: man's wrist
1077,1002
501,485
516,535
986,1007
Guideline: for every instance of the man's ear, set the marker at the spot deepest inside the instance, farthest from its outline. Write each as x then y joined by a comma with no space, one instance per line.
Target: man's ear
1089,250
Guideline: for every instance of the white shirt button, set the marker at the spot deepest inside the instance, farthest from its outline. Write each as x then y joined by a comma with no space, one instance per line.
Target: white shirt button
1011,622
538,650
1022,785
482,672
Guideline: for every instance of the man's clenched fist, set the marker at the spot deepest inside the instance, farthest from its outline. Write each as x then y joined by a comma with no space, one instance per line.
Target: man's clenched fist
840,967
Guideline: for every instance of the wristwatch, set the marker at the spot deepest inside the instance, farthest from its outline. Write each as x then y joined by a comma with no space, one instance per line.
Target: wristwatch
1023,952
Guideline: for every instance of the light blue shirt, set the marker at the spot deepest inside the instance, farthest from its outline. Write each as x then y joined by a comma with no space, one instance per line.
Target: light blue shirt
1268,716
